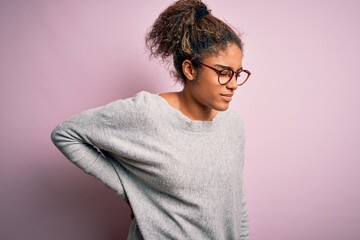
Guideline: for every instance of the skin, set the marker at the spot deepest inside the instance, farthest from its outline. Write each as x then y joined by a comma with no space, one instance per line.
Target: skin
202,96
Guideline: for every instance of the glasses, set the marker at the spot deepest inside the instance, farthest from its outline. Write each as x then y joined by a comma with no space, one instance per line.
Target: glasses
225,75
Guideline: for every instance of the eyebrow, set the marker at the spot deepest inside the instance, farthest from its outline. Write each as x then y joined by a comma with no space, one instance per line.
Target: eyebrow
227,67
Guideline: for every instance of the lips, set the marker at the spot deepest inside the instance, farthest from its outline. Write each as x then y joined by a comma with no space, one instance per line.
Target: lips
227,97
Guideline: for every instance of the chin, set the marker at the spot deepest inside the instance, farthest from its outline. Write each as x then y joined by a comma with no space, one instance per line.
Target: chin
221,107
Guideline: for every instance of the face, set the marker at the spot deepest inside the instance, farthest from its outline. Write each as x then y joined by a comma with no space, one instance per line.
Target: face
205,88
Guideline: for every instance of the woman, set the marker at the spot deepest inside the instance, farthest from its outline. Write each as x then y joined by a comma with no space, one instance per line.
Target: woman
176,157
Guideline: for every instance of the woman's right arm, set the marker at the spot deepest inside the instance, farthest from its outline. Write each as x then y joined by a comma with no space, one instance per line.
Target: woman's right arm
88,158
85,137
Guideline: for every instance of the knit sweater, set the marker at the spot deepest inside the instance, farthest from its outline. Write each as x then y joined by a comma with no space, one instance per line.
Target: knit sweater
183,178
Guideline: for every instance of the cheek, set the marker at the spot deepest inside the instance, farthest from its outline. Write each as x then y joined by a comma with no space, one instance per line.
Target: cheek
211,95
208,91
209,82
206,88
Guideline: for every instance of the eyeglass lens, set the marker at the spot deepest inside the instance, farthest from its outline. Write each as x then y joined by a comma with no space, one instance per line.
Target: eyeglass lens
226,75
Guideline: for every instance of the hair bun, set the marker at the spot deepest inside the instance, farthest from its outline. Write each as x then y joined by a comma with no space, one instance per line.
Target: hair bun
201,12
181,33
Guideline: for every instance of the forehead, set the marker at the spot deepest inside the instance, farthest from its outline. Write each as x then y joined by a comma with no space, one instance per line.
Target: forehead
231,56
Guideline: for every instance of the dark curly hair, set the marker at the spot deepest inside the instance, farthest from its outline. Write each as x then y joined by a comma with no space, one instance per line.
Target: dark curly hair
186,30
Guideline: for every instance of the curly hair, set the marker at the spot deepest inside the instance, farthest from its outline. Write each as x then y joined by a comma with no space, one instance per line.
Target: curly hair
186,30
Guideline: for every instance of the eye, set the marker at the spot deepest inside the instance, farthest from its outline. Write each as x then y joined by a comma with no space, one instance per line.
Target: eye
225,72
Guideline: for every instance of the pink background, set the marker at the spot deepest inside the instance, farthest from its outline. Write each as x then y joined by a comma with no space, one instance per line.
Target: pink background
301,110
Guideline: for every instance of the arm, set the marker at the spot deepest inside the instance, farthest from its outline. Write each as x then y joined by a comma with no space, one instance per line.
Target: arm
244,235
88,138
244,225
88,158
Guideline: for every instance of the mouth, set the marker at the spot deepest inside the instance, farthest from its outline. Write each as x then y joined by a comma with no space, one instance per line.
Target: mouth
227,97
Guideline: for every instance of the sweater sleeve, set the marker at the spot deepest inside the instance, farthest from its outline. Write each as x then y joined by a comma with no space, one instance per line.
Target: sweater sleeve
244,235
87,140
244,225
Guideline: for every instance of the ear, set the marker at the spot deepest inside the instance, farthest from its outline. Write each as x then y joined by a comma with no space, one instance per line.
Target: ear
189,70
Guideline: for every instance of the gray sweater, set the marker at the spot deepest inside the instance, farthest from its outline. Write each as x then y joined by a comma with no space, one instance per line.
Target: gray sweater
183,178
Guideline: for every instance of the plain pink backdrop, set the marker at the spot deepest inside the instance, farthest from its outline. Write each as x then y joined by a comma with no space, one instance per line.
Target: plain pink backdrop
300,106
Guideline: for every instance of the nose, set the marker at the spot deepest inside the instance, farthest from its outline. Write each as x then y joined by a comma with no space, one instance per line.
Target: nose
232,84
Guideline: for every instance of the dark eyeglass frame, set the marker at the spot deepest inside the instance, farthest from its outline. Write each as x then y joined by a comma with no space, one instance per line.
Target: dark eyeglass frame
232,74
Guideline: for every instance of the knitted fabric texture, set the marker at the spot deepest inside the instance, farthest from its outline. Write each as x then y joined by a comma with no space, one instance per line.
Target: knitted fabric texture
183,178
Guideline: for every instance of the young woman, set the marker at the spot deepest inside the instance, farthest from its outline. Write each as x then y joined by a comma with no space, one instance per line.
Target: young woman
176,158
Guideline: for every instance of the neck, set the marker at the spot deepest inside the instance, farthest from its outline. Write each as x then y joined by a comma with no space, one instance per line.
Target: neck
193,109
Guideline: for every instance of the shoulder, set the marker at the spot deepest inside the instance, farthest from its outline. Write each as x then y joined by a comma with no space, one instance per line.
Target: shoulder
235,125
233,117
127,111
234,122
137,104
